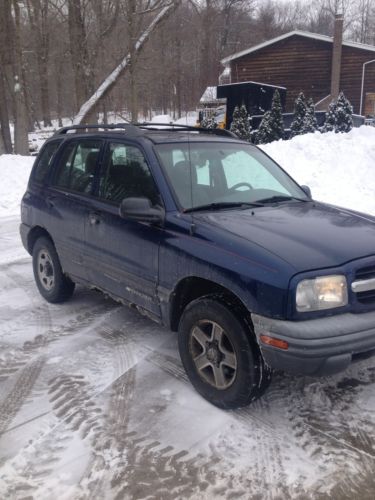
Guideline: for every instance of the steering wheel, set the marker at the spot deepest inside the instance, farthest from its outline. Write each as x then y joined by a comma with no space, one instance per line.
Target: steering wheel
240,184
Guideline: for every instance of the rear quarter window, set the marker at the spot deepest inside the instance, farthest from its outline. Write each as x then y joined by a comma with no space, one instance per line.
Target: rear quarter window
44,161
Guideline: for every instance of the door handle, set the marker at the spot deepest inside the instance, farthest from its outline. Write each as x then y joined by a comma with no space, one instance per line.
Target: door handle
50,201
94,219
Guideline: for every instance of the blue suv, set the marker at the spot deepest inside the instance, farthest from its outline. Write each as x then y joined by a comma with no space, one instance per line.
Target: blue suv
207,235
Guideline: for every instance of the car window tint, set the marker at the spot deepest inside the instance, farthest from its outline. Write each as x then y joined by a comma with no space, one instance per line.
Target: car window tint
77,165
227,172
44,161
240,167
126,175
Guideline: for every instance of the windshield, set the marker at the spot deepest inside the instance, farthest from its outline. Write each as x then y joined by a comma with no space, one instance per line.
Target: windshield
203,173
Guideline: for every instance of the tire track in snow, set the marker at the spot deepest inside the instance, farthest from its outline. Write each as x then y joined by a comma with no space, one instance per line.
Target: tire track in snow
17,358
19,393
328,425
269,466
118,453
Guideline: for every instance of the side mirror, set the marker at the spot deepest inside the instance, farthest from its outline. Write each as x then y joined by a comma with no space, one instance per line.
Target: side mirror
141,209
307,191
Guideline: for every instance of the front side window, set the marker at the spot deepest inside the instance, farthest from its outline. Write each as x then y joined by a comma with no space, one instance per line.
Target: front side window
77,165
126,175
204,173
44,161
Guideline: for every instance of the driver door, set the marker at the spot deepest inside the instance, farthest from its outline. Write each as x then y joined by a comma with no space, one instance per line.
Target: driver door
122,255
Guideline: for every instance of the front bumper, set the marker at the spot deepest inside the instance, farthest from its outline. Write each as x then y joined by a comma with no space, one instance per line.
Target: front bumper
319,346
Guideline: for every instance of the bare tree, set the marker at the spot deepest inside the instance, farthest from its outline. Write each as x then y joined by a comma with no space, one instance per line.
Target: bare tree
112,78
38,11
83,75
21,143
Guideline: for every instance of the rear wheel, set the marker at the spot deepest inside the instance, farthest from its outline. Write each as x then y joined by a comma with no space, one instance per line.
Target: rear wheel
52,284
220,355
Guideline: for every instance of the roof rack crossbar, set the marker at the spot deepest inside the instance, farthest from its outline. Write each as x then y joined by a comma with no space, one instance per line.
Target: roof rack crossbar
110,126
140,128
178,127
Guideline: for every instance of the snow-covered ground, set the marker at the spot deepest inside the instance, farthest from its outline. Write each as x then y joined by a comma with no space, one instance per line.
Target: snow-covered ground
94,403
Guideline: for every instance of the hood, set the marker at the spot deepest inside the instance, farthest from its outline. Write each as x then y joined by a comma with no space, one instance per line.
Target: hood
306,235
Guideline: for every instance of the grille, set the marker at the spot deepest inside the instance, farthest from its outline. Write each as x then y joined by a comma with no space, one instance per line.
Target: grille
365,273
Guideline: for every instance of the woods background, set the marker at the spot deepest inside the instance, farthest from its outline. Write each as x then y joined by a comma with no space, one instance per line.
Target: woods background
55,53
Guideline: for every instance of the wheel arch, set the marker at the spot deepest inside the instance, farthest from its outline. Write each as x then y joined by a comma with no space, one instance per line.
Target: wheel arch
192,288
35,233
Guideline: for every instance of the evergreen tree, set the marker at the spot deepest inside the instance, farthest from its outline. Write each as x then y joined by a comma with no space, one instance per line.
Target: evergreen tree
344,114
208,122
299,115
271,127
240,123
264,134
309,123
330,121
339,116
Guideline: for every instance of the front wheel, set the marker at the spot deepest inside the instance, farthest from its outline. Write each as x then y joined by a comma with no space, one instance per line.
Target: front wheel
52,284
221,358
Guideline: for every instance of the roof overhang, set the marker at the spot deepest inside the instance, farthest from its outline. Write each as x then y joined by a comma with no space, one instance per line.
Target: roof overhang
305,34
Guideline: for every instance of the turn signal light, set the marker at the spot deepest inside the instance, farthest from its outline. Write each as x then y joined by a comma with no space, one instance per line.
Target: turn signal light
281,344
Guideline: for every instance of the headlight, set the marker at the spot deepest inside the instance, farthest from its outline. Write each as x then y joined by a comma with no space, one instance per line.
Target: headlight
325,292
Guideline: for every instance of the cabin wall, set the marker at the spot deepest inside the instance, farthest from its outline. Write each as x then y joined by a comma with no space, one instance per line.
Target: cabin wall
304,64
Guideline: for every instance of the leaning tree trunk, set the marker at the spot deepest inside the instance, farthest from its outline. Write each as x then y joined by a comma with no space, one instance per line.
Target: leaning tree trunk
112,78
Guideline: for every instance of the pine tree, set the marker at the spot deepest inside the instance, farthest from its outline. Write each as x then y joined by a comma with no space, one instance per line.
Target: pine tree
277,121
344,114
299,115
309,123
208,122
240,123
271,127
330,121
339,116
264,134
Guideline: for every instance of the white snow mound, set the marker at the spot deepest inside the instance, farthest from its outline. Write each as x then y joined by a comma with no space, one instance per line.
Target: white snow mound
339,168
15,171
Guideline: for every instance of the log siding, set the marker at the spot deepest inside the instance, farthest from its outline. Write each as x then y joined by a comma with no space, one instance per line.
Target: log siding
304,64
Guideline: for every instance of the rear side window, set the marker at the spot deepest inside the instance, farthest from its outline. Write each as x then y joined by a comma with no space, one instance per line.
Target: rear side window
44,161
77,164
126,175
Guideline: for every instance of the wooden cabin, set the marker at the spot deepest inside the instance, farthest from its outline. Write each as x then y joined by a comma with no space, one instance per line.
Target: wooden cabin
318,65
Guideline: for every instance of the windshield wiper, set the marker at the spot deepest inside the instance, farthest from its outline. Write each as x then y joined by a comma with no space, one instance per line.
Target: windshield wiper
222,204
277,198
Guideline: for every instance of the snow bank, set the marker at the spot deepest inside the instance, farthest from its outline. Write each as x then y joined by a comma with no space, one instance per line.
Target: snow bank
15,171
161,119
339,168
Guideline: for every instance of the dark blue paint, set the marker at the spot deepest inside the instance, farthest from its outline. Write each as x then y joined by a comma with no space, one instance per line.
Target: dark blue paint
258,254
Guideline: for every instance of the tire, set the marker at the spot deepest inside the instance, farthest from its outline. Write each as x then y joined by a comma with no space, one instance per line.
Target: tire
220,354
52,284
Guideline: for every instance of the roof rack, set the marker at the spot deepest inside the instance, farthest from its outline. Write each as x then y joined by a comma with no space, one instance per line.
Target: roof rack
110,126
140,128
176,127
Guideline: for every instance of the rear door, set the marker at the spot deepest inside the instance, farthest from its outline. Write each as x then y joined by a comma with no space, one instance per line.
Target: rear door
122,255
69,199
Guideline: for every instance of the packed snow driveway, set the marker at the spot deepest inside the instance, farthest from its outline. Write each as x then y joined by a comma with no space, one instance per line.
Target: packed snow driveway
94,403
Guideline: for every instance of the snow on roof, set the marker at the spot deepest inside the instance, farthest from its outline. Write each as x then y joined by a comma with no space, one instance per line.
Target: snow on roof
306,34
255,83
209,95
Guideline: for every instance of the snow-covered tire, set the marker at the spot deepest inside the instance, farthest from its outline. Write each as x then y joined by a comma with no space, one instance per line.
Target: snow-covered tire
52,284
220,354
